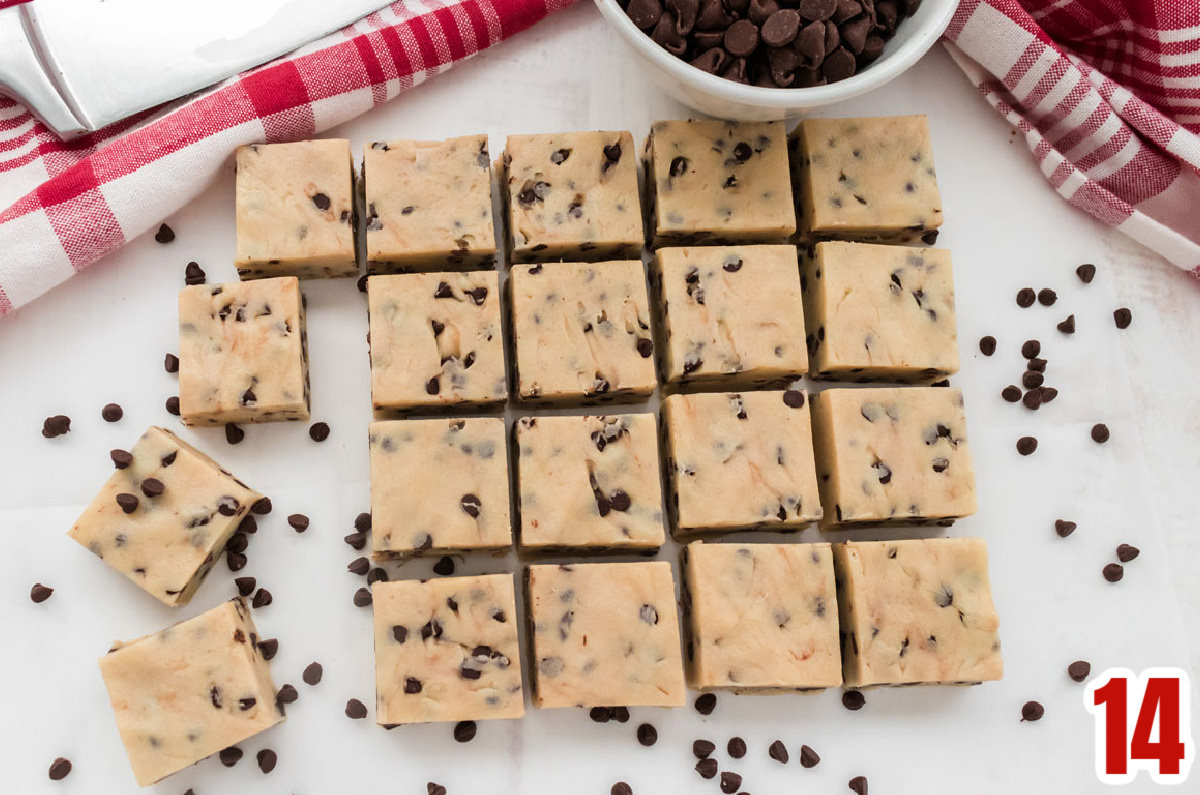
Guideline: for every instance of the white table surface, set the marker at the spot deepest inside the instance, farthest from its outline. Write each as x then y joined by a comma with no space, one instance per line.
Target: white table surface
101,338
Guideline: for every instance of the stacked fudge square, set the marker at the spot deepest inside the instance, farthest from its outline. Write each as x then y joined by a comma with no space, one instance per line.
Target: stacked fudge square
748,261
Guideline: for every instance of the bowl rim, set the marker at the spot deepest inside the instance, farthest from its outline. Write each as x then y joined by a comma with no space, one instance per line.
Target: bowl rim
881,71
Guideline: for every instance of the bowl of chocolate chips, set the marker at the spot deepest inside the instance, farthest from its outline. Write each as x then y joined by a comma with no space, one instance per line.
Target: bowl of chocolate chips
771,59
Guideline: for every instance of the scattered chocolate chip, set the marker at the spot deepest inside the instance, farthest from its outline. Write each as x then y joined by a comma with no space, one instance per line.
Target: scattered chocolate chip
1011,393
434,789
127,501
56,426
1067,326
267,760
356,540
853,700
172,405
1079,670
287,695
112,412
600,714
1100,433
245,585
230,756
1032,399
355,709
707,768
1064,527
262,506
193,274
1048,393
987,345
1046,296
444,566
858,785
619,714
60,768
736,747
1127,552
362,282
1086,272
269,648
236,561
1036,364
620,788
165,234
298,522
808,757
362,522
647,735
1032,379
318,431
40,593
706,703
1113,572
376,575
262,598
1031,711
121,458
1025,297
1026,445
312,674
778,751
152,487
703,749
1031,348
464,731
234,434
362,597
730,782
248,526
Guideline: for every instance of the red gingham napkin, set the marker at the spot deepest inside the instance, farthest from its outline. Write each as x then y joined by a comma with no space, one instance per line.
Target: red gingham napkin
1107,96
76,201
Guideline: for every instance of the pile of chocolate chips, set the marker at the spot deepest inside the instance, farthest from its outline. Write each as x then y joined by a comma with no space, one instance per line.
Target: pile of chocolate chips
772,43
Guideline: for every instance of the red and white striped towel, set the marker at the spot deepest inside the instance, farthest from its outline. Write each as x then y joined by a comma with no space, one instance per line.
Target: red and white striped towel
79,200
1107,96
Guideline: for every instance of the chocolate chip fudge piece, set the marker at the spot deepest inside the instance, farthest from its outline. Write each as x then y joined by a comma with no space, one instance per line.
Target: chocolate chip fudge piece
588,484
731,315
740,461
429,205
295,210
719,182
865,179
604,634
164,517
572,196
438,486
916,612
880,313
446,650
436,342
892,455
581,332
243,352
760,617
190,691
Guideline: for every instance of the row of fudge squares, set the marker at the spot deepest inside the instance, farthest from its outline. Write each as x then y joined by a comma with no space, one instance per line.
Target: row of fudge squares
757,618
428,204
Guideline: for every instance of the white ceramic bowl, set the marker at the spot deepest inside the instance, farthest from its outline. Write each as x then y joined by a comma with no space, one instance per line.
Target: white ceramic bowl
725,99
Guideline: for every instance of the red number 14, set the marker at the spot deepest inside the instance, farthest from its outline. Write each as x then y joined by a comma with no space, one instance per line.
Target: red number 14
1161,698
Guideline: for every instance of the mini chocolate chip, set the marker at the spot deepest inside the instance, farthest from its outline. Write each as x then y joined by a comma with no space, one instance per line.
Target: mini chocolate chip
165,234
1031,348
171,363
248,526
853,700
1068,325
56,426
60,768
1036,364
1025,297
318,431
647,735
678,167
359,566
127,501
464,731
1046,296
434,789
298,522
152,487
1011,393
1031,711
858,785
703,749
1086,272
121,458
1032,399
287,695
600,714
376,575
1032,379
234,434
736,747
267,760
245,585
1100,433
193,274
236,561
620,788
247,703
808,757
645,347
321,201
619,500
987,345
362,282
362,597
706,703
362,522
262,598
112,412
40,593
230,756
262,506
172,405
433,385
794,398
1127,552
1026,445
1079,670
412,686
355,709
356,540
470,505
1122,318
1064,527
444,566
707,768
312,674
1113,572
730,782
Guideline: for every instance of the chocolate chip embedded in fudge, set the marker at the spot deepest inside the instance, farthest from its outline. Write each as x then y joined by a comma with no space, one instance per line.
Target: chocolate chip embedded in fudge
865,179
571,196
731,315
916,612
436,341
295,210
447,650
604,633
760,617
438,486
243,352
581,332
190,691
588,484
892,455
165,543
880,313
740,461
429,205
719,182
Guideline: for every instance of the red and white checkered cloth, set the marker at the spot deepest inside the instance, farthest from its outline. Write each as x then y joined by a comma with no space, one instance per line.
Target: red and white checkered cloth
1107,96
79,200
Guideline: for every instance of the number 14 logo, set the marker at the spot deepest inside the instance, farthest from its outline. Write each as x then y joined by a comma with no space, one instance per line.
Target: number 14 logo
1143,722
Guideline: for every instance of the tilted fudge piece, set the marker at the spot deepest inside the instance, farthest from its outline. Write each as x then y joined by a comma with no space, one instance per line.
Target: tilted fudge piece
190,691
760,617
164,517
436,341
438,486
589,484
581,332
572,196
866,179
243,352
447,650
295,210
731,315
740,461
429,205
880,313
892,455
604,634
916,612
719,182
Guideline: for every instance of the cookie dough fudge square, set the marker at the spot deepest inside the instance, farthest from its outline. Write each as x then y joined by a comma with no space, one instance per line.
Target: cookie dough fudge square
436,342
581,332
761,617
604,634
866,179
189,691
893,455
589,484
572,196
163,519
243,352
719,182
295,210
740,461
446,650
438,486
429,205
880,313
916,612
730,315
